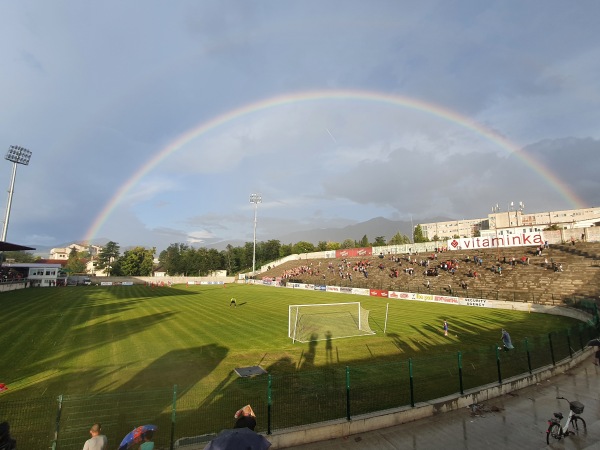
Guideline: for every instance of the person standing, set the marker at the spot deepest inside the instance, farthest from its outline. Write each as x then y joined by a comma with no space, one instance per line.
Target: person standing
445,328
233,302
97,441
506,341
148,444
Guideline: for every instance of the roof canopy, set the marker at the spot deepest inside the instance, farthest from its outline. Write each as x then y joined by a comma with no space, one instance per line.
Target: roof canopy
8,247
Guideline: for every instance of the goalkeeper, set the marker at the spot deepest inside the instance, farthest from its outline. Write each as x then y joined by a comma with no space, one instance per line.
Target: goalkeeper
233,302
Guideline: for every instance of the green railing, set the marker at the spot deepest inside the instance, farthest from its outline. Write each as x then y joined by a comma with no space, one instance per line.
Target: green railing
282,400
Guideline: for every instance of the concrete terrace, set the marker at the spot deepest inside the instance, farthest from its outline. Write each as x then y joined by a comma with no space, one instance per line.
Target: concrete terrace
533,282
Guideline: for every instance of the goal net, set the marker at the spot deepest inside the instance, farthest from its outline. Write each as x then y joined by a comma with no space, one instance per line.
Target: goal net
321,322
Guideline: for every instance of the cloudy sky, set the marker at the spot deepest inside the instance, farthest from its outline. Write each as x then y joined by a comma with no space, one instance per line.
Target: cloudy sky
152,122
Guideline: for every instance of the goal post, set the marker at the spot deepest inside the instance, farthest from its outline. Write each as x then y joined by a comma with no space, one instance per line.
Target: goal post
325,321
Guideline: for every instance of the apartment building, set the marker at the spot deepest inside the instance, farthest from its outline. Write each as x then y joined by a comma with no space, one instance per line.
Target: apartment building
513,219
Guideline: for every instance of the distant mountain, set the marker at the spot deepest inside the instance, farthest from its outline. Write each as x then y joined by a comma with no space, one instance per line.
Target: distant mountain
372,228
379,226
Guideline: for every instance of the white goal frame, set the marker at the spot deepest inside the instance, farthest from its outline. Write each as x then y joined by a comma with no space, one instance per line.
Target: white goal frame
295,310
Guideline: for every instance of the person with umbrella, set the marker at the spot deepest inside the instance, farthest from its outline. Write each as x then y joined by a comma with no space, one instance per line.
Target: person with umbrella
97,441
148,444
242,435
245,418
140,435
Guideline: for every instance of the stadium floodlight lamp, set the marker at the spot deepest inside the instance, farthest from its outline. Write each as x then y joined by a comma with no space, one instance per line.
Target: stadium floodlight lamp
17,155
255,199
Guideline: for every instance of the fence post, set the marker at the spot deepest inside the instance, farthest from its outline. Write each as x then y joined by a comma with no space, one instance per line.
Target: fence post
460,374
173,415
347,393
412,385
528,355
269,402
569,343
551,348
57,425
498,365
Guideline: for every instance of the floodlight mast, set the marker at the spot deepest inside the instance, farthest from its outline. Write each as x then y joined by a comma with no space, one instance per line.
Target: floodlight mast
256,199
18,155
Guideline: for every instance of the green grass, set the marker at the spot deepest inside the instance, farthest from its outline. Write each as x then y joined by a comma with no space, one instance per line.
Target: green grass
114,341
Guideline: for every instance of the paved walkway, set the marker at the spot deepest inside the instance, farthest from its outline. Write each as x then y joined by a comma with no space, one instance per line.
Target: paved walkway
517,420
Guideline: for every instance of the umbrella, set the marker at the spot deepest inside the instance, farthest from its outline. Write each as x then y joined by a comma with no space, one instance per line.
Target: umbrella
136,436
594,343
238,439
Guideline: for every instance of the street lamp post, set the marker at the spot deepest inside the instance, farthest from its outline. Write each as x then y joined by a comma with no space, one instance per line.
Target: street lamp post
18,155
256,199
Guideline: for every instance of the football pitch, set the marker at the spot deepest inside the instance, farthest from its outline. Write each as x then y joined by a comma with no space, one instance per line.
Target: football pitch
82,340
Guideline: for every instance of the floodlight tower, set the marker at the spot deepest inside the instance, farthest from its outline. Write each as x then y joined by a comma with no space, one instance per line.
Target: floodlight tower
18,155
256,199
496,210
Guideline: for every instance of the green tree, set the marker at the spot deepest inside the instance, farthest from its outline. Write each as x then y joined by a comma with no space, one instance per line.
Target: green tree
322,246
108,256
230,260
399,239
270,251
137,262
76,262
303,247
553,227
364,242
418,235
379,241
348,243
333,246
19,257
285,250
171,259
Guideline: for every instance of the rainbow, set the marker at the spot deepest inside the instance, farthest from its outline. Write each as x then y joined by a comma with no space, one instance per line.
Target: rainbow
320,95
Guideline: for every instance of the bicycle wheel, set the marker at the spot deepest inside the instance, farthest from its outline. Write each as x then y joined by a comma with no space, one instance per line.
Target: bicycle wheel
553,431
578,424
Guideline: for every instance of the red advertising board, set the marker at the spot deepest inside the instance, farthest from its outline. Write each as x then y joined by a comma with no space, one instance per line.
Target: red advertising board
353,252
378,293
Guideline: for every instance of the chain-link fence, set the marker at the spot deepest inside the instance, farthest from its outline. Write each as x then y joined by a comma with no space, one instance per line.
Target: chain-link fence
281,401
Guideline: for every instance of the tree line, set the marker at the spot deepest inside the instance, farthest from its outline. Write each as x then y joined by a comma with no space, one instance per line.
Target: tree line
180,259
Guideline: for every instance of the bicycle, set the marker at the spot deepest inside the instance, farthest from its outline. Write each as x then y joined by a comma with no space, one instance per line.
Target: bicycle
577,423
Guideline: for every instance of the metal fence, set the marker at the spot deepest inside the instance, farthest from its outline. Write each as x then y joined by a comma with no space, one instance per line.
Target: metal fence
185,415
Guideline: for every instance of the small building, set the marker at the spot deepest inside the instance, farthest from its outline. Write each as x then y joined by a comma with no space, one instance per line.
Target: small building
40,274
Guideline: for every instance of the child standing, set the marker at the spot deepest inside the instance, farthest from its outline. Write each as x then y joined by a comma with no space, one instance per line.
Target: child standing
148,444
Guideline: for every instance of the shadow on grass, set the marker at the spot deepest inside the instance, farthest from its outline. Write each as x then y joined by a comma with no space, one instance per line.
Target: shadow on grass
48,357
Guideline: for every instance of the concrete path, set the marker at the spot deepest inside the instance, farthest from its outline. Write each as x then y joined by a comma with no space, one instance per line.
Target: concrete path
514,421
